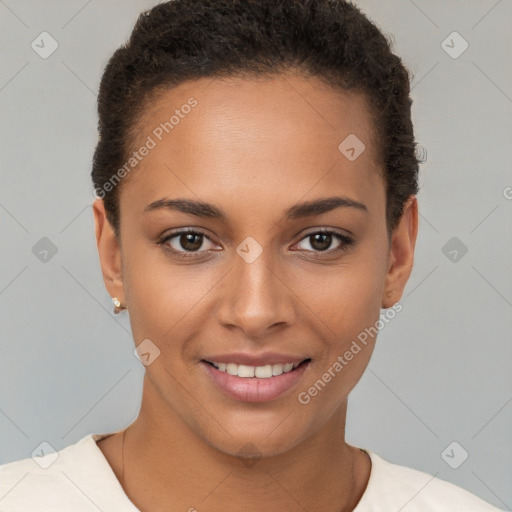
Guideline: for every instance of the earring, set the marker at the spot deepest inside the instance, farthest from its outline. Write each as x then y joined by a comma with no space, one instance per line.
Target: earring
117,305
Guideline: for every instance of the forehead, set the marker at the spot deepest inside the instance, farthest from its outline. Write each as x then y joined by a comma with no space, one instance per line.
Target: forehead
266,133
281,99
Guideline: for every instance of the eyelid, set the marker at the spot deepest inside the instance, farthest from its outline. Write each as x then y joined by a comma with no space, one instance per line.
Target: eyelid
324,229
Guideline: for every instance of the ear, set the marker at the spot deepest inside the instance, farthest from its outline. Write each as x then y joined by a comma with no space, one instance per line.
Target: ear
109,252
401,255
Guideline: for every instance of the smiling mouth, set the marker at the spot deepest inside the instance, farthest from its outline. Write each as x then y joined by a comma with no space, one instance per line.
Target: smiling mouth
260,372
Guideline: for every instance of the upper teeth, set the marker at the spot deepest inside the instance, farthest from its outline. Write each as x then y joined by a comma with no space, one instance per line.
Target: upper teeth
262,372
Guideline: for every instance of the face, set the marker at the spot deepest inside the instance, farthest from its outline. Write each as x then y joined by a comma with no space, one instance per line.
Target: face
253,266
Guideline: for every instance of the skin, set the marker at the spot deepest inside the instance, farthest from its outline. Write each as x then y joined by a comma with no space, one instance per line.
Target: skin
253,148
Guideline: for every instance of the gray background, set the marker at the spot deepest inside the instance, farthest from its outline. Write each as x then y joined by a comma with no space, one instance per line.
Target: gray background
441,369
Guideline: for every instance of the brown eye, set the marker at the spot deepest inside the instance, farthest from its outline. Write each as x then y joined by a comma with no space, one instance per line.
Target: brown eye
321,241
190,241
185,241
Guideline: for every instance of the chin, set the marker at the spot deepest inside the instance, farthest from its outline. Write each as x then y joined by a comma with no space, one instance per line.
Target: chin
254,443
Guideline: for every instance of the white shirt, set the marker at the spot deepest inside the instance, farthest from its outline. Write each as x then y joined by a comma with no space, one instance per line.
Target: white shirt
78,478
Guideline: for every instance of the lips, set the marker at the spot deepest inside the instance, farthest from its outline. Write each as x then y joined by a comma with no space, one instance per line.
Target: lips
255,382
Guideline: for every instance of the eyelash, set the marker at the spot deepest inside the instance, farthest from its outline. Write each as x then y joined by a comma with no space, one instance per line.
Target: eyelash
346,242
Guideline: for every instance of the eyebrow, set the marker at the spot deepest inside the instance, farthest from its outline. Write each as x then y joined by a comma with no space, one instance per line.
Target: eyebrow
297,211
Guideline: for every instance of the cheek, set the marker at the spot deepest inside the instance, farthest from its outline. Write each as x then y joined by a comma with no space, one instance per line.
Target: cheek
163,296
346,301
346,298
359,299
351,313
153,290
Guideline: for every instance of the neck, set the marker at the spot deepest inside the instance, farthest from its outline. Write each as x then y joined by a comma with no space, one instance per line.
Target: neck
165,465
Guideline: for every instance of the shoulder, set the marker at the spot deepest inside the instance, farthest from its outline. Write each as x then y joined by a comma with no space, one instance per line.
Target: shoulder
395,487
74,478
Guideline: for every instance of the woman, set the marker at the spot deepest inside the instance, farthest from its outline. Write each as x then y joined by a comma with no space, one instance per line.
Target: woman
256,182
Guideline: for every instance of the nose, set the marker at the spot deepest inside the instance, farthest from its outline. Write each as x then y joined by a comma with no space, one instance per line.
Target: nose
256,297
